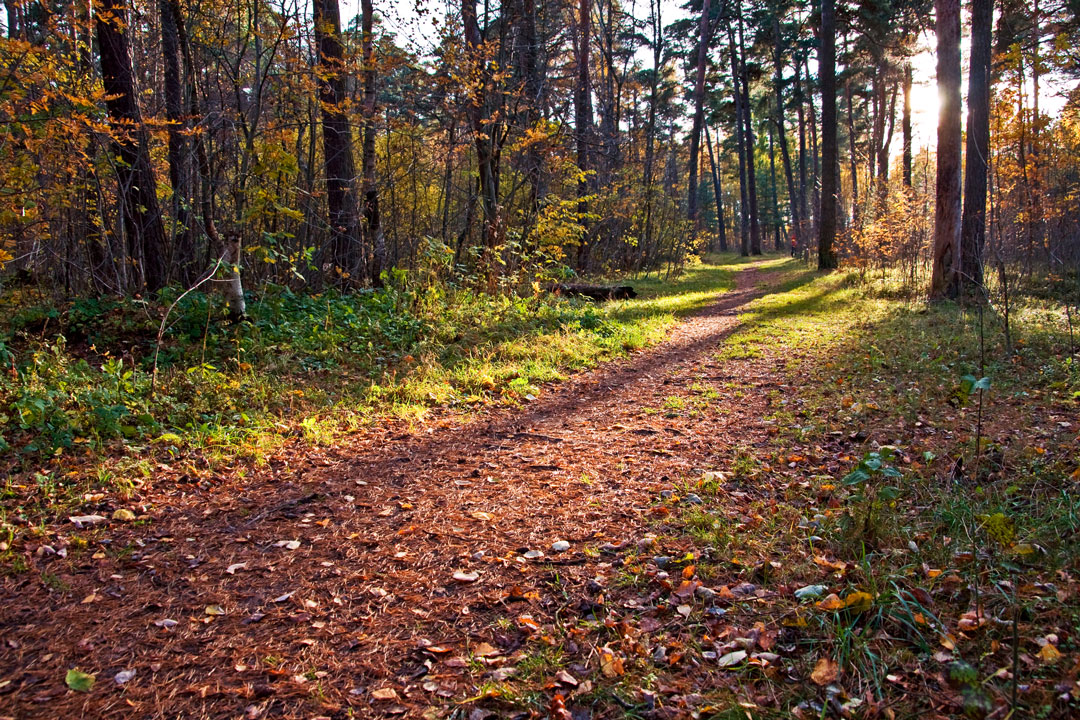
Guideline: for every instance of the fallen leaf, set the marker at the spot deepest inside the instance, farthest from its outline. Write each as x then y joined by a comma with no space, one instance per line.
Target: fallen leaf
566,678
832,603
810,592
384,694
485,516
825,672
215,610
485,650
1049,654
611,665
123,515
81,520
466,577
123,676
231,570
288,544
502,674
79,681
732,658
859,601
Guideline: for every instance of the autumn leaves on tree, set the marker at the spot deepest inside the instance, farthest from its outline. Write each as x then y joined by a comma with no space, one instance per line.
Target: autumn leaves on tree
522,141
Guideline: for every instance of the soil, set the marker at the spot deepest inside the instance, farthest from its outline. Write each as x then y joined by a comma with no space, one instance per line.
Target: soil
387,574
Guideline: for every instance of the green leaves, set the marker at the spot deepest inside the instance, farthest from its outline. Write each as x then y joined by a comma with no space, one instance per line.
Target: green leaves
969,385
873,465
79,681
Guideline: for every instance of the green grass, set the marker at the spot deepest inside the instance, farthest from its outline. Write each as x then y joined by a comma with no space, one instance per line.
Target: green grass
860,367
77,392
867,366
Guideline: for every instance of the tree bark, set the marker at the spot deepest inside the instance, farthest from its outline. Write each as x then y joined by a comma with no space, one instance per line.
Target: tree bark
800,105
179,172
781,129
751,175
344,255
973,220
945,281
583,117
699,117
906,125
740,145
718,192
827,259
478,111
374,241
138,189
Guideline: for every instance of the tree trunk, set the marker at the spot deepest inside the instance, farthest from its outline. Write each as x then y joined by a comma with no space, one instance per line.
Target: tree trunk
478,111
179,176
344,255
973,221
374,241
718,192
829,156
945,282
781,130
815,149
751,176
138,188
533,89
777,232
583,123
699,117
744,203
852,157
906,124
804,206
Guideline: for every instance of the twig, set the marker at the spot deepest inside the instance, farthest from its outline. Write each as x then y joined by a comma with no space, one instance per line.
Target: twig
161,328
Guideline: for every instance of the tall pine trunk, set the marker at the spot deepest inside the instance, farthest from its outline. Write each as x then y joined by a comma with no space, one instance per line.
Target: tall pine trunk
740,145
906,125
344,250
751,175
945,281
183,250
973,220
699,117
138,188
478,111
827,259
718,192
374,241
583,120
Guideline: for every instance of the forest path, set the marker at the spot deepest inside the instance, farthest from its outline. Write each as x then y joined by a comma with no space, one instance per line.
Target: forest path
311,588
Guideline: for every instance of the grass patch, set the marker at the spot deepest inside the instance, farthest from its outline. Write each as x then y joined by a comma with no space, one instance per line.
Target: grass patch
77,406
942,526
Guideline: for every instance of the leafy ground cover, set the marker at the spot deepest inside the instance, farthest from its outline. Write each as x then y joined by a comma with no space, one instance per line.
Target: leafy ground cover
82,413
817,498
902,536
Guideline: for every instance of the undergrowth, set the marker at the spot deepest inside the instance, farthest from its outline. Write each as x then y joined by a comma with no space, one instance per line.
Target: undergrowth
78,403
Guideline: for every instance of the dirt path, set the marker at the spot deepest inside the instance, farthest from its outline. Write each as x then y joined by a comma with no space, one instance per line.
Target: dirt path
310,589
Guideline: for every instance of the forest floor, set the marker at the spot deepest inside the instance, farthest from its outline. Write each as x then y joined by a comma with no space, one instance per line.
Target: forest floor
678,533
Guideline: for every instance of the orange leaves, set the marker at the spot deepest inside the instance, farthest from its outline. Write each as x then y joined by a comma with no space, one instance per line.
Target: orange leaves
825,671
611,664
856,602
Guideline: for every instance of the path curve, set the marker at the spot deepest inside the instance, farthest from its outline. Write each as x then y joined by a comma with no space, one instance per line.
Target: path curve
383,521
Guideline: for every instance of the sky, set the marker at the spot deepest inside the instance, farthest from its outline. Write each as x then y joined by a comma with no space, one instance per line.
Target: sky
415,23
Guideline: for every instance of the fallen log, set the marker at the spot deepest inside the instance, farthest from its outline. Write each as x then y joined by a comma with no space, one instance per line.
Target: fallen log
597,292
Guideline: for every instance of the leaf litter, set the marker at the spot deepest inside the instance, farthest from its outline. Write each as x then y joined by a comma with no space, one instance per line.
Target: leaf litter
423,591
